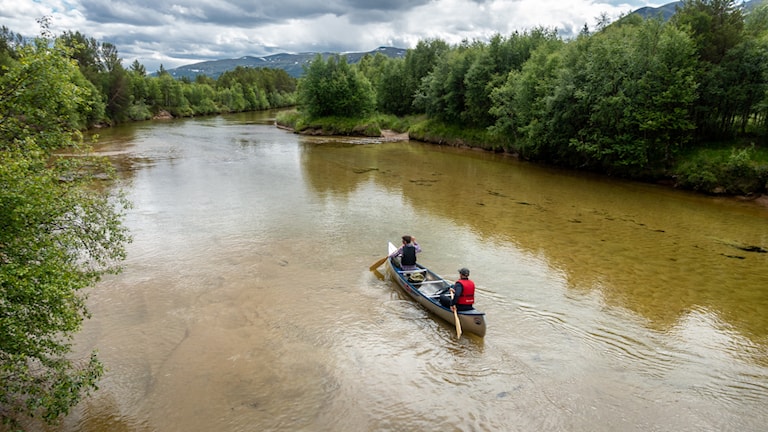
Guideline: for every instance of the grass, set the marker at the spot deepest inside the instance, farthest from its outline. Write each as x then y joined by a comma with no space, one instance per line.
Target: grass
333,125
434,131
730,168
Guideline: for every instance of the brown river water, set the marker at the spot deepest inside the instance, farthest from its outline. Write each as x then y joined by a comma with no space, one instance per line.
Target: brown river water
246,303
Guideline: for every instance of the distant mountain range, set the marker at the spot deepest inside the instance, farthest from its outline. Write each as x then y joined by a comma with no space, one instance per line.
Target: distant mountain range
294,63
666,10
291,63
669,9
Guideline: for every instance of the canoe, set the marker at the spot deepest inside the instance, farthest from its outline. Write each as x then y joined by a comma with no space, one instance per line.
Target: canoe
425,289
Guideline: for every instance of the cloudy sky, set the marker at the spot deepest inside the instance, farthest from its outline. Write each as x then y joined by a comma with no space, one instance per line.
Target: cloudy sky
180,32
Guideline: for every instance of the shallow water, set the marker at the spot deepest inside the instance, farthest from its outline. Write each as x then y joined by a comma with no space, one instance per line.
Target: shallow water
246,302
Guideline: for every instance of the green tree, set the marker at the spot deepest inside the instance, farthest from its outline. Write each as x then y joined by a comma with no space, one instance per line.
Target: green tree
167,94
618,101
9,42
716,27
392,91
58,236
334,88
636,85
232,98
419,62
443,91
491,67
201,98
756,26
372,66
138,68
262,88
139,93
86,51
520,105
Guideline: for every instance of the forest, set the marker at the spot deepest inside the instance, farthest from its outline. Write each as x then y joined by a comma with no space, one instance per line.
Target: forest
683,101
130,94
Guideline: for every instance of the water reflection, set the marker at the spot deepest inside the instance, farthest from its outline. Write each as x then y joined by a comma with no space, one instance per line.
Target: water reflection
247,303
657,252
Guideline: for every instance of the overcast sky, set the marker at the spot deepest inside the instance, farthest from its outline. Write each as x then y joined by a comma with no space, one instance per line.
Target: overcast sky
180,32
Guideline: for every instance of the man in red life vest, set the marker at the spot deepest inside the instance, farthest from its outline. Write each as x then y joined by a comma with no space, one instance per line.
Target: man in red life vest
463,293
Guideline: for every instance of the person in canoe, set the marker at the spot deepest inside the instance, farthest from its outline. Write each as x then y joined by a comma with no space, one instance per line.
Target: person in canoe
407,253
461,295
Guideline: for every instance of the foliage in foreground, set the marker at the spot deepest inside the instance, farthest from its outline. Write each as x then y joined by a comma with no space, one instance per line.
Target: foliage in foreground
58,233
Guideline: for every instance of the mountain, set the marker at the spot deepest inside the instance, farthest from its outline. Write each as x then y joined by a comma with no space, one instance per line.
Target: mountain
291,63
669,9
666,10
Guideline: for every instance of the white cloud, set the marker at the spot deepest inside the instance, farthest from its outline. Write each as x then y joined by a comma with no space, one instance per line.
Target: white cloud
189,31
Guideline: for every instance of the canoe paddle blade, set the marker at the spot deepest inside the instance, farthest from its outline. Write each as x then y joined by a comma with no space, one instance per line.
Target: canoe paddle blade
378,263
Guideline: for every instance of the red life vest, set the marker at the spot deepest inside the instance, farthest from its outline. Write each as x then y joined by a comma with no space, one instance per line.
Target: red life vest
467,296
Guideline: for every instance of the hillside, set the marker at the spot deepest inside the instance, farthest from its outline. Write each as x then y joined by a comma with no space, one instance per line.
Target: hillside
669,9
291,63
666,10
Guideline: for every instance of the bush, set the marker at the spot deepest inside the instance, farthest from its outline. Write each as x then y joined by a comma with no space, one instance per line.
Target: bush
139,112
734,171
439,132
333,88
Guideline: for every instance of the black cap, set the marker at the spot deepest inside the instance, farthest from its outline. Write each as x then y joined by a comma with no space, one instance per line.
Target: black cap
464,271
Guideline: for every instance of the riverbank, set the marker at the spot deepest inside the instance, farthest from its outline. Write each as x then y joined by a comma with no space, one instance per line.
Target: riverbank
736,169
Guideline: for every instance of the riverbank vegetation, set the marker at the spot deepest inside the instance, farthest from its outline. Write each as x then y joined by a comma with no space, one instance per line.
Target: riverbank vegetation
682,101
59,231
121,95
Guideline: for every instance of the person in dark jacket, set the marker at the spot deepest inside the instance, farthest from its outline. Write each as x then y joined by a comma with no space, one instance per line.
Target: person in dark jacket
407,253
461,295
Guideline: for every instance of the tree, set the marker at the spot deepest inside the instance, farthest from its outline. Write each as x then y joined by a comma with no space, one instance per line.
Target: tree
520,104
333,88
419,62
9,41
57,235
633,90
443,91
86,51
372,67
392,92
491,68
138,68
716,27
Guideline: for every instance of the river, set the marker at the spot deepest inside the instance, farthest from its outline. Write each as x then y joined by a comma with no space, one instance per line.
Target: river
246,303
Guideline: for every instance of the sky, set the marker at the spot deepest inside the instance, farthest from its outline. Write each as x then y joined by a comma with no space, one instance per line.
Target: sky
182,32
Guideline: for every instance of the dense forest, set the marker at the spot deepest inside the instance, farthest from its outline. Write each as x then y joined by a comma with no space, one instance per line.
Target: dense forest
683,100
130,94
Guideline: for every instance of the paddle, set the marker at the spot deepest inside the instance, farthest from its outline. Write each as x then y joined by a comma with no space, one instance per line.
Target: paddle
456,318
376,265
